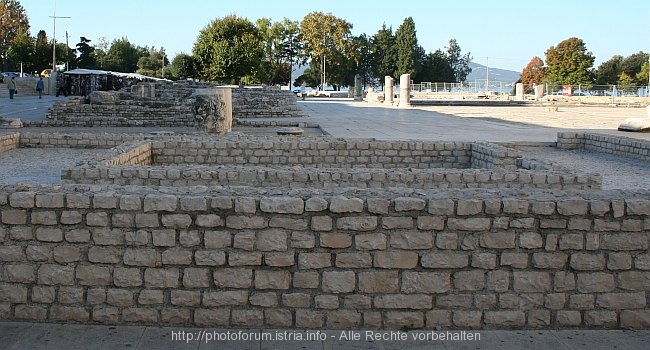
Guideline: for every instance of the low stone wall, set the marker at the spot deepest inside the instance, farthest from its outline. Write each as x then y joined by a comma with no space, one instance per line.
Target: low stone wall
318,259
490,156
9,142
617,145
76,140
260,176
267,102
322,152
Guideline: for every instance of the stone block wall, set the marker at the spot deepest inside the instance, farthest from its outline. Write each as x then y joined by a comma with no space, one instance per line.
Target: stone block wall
263,176
75,140
267,102
490,156
318,259
616,145
9,142
314,152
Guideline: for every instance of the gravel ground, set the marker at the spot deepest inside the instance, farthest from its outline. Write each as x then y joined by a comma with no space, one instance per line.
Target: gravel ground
40,165
617,172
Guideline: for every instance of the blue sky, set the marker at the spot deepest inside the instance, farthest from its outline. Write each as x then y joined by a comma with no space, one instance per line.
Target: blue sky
505,33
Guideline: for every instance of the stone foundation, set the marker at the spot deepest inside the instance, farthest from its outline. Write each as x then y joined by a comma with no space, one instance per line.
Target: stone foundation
9,142
325,259
621,146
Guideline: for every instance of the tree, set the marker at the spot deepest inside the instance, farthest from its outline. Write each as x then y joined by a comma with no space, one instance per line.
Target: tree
227,49
123,56
13,20
625,81
42,57
279,40
86,57
384,55
152,63
436,68
609,71
569,63
631,65
325,37
642,76
20,51
183,66
534,72
458,63
406,43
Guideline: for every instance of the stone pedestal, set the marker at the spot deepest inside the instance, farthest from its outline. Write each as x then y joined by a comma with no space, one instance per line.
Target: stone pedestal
519,92
405,91
212,110
358,88
388,89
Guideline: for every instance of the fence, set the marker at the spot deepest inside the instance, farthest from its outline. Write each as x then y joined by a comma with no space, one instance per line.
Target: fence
503,87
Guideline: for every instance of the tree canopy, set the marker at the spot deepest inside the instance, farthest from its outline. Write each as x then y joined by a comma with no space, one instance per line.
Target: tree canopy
13,20
406,43
534,72
227,49
569,63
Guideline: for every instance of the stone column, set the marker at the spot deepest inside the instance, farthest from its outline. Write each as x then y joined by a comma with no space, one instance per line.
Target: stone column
519,92
388,89
358,88
405,90
212,110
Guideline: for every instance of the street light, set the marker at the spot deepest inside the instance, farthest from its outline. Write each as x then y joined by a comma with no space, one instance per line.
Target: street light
54,17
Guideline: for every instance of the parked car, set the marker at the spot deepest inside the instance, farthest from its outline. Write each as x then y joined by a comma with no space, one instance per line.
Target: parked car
581,93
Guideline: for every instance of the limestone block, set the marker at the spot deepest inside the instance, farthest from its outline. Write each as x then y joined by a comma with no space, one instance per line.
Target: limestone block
71,217
619,261
196,278
49,200
373,241
20,273
619,301
624,241
97,219
245,259
175,316
338,281
335,240
127,277
543,208
445,260
326,302
137,238
282,205
185,298
35,253
210,257
68,313
403,319
189,238
146,220
140,315
598,282
409,204
306,318
212,317
22,199
357,223
300,300
447,240
469,280
531,282
271,240
14,217
217,239
194,203
346,205
587,262
245,222
101,201
161,278
177,256
66,254
530,240
233,277
425,282
142,257
357,302
469,224
395,259
441,206
130,203
556,261
431,223
164,238
176,220
263,299
272,279
43,294
498,281
637,319
44,234
572,207
498,240
396,222
208,220
315,204
164,203
314,260
486,261
52,274
634,280
245,205
383,282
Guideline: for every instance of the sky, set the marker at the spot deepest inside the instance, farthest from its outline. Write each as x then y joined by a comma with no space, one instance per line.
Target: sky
502,34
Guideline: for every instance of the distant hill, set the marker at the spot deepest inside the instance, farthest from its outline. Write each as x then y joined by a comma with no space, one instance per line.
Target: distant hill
496,74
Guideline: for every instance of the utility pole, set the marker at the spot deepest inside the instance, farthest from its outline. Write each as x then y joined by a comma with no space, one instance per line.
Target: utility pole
54,17
487,74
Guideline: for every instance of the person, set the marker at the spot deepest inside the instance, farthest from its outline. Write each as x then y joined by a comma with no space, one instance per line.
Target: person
11,85
60,87
303,90
40,86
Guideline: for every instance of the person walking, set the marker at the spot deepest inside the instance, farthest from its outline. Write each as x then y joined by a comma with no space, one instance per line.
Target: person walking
40,86
11,85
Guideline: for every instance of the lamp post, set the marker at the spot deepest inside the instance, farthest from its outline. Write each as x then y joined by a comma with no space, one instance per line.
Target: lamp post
54,17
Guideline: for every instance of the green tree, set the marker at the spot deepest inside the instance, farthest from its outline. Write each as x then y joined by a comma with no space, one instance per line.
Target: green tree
534,72
406,44
631,65
183,66
13,20
325,38
459,63
42,57
436,68
151,64
86,57
20,51
642,76
124,56
227,49
609,71
279,40
625,82
384,54
569,63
